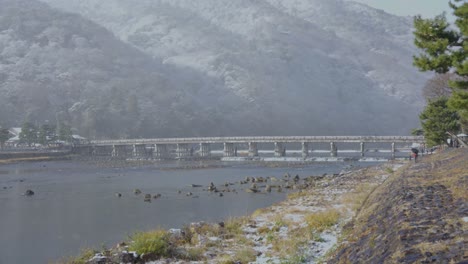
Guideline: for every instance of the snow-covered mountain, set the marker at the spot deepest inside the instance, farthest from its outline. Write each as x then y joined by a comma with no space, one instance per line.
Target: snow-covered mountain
268,67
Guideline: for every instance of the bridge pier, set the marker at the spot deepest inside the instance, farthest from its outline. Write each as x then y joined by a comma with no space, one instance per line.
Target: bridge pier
393,150
230,150
183,151
362,149
280,151
333,149
253,149
160,151
205,150
139,151
305,149
119,151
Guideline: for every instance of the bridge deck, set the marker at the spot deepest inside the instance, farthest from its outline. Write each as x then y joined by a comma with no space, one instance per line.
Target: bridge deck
283,139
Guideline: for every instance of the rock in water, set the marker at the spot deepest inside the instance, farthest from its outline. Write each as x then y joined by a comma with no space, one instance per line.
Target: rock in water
147,197
137,191
29,193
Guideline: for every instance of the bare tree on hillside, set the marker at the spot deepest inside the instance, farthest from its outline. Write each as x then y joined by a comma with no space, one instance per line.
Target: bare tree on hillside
438,86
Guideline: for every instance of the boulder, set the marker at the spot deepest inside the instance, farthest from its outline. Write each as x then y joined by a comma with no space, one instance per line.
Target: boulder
147,197
98,259
156,196
251,190
297,178
211,187
118,195
29,193
137,191
268,188
127,257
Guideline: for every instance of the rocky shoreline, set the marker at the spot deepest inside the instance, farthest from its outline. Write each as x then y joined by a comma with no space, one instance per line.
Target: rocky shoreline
300,229
392,212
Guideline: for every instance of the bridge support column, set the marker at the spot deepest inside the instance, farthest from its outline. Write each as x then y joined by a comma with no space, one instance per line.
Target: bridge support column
230,150
333,149
160,151
280,151
253,149
205,150
183,151
393,150
119,151
139,151
363,149
305,149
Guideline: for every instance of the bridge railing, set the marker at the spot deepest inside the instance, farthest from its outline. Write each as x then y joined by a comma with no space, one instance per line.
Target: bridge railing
266,139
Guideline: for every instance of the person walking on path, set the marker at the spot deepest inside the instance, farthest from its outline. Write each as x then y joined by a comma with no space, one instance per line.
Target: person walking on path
414,154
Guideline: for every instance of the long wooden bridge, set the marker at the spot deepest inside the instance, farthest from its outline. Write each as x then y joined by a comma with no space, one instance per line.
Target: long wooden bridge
166,148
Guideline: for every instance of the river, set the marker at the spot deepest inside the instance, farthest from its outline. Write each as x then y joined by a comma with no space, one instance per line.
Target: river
75,206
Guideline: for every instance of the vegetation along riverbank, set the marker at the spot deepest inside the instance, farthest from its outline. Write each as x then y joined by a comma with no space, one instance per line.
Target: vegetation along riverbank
397,212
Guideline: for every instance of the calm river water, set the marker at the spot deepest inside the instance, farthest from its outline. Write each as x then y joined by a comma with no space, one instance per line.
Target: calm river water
75,206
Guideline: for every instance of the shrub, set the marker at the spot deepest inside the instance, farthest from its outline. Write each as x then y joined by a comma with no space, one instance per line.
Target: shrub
154,243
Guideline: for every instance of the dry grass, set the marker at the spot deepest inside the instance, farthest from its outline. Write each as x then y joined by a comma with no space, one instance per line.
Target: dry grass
263,230
207,229
83,258
280,221
438,246
297,195
261,211
286,247
356,198
193,254
295,211
233,226
321,221
243,255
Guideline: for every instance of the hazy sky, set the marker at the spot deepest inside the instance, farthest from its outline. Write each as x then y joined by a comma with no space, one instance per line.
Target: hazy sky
426,8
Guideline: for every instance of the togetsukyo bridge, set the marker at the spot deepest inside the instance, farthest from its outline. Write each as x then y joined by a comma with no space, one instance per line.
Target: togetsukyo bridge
206,147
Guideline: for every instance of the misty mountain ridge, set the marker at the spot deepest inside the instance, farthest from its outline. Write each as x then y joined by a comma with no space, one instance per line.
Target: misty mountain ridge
201,68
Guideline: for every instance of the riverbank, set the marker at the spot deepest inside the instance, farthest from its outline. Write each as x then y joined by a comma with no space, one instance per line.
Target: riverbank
15,157
418,212
419,215
300,229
